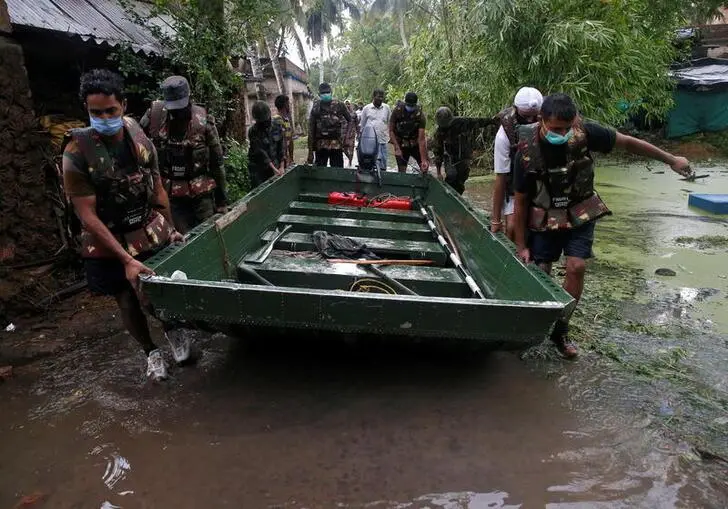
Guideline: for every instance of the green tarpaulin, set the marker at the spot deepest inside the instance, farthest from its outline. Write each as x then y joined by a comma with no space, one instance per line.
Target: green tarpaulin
701,98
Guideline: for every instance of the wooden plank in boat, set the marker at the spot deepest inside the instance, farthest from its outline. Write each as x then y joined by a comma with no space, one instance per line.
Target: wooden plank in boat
390,248
357,227
321,274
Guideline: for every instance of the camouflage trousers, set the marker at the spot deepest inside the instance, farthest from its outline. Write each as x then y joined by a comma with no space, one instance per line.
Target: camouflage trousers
456,174
189,212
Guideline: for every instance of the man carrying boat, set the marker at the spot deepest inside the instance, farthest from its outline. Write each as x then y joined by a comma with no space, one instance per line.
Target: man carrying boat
525,110
266,153
555,197
453,145
326,122
407,131
111,176
190,154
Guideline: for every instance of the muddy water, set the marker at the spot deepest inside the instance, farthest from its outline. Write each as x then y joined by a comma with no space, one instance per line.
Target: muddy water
359,426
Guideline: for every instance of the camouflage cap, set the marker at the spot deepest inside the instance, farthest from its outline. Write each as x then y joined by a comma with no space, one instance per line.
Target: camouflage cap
176,92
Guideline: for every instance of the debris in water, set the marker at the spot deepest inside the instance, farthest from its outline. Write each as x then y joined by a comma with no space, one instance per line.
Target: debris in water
665,272
666,409
710,456
124,493
10,327
30,500
116,469
109,505
6,372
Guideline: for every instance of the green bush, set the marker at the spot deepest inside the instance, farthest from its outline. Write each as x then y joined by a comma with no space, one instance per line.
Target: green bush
236,169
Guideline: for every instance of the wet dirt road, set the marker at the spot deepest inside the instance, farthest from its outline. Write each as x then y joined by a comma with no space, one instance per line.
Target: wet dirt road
356,426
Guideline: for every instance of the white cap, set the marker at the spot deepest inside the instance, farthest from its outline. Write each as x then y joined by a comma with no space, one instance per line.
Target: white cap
528,99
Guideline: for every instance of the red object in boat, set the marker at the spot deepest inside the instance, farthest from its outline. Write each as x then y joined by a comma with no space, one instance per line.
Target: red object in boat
350,199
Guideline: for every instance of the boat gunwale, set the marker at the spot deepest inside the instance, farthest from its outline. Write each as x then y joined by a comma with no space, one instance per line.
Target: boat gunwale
292,290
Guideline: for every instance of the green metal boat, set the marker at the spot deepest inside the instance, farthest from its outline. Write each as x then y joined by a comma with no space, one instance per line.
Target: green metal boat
450,278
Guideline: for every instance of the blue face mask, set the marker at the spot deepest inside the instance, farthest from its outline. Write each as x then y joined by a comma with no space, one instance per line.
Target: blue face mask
409,108
106,126
559,139
327,98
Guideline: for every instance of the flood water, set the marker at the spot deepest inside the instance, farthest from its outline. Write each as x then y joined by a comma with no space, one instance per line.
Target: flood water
357,426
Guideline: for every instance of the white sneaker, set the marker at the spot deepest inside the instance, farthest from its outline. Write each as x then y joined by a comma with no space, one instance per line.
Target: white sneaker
156,367
180,344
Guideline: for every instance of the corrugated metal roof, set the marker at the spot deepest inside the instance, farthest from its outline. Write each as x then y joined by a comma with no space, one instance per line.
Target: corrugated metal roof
103,21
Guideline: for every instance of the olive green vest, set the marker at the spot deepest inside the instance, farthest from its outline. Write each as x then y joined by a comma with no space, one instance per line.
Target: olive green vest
564,198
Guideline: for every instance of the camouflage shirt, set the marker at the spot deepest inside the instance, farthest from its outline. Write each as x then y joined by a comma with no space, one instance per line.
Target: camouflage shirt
323,116
266,147
77,180
457,139
406,125
286,127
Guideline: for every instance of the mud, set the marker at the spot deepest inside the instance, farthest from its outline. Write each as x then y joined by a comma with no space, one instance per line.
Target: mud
638,421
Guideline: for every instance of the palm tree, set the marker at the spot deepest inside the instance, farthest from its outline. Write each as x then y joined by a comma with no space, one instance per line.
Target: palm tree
398,7
321,17
290,16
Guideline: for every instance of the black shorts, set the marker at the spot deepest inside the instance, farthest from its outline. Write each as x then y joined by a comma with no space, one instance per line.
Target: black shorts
106,276
546,247
407,152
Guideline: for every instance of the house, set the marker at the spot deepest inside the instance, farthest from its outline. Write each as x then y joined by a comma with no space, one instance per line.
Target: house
714,36
296,85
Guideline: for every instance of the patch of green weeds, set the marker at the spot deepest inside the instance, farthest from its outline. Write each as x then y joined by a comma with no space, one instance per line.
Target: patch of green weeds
704,241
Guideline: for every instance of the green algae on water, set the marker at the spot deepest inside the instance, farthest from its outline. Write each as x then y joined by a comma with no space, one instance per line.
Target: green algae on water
704,241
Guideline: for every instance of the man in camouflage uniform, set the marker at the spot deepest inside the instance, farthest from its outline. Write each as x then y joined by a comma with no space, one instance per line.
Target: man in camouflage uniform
266,152
453,145
407,132
349,133
190,154
283,119
328,119
111,177
555,196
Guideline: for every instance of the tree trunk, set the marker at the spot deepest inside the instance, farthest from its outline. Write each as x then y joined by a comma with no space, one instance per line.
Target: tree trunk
321,62
273,55
253,55
446,23
301,52
402,33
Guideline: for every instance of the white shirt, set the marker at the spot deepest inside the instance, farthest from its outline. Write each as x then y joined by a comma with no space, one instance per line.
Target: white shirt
502,163
379,117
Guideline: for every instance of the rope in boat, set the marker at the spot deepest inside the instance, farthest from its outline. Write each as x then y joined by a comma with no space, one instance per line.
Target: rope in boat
364,285
380,199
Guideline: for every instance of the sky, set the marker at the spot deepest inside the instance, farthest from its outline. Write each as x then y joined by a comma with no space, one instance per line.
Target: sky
311,52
